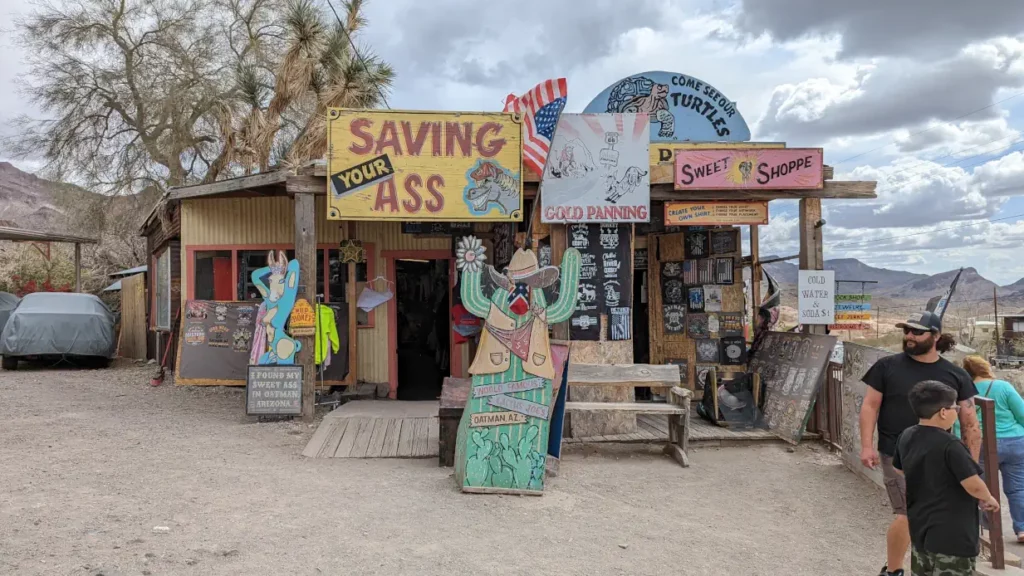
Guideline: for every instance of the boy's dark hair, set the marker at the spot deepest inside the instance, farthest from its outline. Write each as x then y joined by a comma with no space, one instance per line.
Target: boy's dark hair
930,396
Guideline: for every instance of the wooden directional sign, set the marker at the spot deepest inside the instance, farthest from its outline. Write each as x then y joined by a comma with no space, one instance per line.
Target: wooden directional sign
850,326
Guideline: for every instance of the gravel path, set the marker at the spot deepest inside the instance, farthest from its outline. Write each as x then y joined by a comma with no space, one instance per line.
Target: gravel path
92,461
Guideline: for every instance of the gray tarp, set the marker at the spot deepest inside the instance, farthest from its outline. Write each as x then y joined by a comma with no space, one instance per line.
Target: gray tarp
59,323
8,302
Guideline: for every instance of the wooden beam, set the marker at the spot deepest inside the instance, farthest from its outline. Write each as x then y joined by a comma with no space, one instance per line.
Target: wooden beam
559,242
233,185
78,267
628,375
636,407
307,185
755,268
353,319
811,253
305,253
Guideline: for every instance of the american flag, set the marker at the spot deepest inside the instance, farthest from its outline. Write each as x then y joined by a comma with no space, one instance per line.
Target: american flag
540,108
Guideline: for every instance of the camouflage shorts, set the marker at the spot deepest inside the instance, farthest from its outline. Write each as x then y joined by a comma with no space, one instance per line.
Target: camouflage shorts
930,564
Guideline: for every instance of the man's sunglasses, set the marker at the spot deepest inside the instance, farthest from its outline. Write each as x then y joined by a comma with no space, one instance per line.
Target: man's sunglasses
914,331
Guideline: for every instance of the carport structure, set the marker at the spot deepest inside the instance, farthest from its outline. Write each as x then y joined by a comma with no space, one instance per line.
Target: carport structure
22,235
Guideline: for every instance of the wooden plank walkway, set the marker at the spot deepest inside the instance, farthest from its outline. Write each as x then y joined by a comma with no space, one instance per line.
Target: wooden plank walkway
654,428
377,429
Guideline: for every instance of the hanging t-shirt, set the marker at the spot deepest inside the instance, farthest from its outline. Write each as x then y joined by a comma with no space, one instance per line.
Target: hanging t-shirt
943,516
894,376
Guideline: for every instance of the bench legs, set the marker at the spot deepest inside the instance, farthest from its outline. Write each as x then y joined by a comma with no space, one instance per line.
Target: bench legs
679,438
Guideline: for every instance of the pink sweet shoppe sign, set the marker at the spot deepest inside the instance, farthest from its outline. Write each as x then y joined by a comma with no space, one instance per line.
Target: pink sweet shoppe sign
763,169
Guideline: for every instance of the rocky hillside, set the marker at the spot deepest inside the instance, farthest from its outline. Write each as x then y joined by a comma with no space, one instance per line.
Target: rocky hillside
26,201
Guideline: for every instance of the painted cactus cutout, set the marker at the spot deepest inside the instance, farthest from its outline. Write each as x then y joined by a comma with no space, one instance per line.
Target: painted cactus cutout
278,283
513,368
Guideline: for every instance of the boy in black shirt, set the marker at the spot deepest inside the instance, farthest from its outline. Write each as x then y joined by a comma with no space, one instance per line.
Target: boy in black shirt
944,486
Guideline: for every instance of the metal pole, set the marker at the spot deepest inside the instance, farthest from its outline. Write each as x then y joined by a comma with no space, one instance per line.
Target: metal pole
995,318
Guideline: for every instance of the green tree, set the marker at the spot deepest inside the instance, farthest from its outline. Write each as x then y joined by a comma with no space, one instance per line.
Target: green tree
159,93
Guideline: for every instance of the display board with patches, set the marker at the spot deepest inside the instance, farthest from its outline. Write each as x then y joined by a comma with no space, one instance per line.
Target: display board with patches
424,166
216,340
792,368
606,277
597,170
695,299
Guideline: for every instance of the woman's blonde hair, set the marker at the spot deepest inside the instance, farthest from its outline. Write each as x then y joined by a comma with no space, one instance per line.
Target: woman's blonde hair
978,367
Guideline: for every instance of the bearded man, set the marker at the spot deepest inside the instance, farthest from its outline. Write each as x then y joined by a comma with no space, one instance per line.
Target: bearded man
889,381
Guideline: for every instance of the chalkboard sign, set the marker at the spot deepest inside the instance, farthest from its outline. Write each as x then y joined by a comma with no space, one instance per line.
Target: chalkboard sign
606,275
273,390
792,369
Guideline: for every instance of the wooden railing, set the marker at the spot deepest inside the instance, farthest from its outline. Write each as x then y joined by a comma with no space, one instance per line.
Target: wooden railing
990,458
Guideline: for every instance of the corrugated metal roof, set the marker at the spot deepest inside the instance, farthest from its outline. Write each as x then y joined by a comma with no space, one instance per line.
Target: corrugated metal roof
128,272
22,235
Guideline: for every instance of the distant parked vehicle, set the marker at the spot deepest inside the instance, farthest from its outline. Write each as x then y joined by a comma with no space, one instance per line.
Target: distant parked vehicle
53,326
8,302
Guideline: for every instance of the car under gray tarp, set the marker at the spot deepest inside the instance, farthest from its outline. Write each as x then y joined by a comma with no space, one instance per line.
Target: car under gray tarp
8,302
61,324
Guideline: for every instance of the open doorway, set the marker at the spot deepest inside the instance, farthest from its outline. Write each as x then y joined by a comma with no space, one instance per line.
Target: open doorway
422,290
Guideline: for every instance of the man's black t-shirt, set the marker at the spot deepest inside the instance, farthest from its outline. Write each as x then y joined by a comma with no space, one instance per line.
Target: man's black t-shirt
894,376
943,516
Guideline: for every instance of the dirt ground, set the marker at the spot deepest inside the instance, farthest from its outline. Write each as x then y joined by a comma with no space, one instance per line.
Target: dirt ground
93,461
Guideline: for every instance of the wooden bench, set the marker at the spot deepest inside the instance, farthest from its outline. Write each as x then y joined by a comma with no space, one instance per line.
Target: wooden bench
677,410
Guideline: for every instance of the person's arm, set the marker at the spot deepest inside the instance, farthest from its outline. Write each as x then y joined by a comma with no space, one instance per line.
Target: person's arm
970,430
868,418
875,380
976,487
967,472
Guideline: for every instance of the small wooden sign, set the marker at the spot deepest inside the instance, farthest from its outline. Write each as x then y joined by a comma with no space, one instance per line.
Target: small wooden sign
846,316
850,326
715,213
302,322
519,405
273,389
495,419
853,297
507,387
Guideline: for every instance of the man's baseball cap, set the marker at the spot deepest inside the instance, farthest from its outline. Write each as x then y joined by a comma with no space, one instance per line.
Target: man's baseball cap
929,322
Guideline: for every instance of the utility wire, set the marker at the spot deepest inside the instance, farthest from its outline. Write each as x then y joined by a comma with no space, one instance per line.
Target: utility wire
917,168
926,130
891,238
359,56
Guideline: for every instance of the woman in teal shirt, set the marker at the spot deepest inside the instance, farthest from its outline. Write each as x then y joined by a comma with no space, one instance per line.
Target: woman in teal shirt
1009,434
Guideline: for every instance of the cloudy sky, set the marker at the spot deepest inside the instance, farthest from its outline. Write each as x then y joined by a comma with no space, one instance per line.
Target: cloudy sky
924,96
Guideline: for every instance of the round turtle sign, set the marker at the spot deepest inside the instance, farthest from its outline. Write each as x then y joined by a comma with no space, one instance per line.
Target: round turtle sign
681,108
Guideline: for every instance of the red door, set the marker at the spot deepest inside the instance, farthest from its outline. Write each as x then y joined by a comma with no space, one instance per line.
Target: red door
223,286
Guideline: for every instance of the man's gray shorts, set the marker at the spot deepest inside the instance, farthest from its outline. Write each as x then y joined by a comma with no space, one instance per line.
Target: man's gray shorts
895,485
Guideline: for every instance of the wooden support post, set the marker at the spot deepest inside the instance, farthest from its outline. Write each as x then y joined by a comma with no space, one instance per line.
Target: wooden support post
811,253
78,267
755,268
353,320
305,253
559,242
